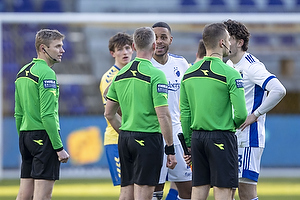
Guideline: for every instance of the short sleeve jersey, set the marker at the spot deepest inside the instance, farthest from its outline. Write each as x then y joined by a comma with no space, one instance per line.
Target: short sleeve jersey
209,90
255,78
110,136
139,88
174,70
36,100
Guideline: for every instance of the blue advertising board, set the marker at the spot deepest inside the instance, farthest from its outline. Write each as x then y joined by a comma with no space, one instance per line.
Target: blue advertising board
83,138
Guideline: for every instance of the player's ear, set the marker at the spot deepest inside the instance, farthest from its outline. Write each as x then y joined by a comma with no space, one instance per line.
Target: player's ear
221,43
154,46
133,47
42,48
171,39
240,43
112,53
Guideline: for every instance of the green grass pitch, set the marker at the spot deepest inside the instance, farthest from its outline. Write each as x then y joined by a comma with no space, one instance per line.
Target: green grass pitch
102,189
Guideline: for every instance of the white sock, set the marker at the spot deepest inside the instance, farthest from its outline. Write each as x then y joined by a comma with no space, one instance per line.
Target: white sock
158,195
181,198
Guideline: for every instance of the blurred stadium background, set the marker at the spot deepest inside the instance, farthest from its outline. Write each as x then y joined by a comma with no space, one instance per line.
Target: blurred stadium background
88,24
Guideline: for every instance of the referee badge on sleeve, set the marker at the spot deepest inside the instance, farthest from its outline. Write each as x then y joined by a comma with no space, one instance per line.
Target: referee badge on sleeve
49,84
239,83
162,88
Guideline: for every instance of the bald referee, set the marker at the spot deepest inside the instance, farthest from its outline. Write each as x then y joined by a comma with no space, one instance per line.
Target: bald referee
140,90
210,89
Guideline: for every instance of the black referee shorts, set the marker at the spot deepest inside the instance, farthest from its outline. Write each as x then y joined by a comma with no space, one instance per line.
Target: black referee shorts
39,160
215,159
141,156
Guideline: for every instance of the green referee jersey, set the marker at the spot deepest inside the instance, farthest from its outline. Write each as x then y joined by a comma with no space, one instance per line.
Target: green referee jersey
139,88
36,100
210,90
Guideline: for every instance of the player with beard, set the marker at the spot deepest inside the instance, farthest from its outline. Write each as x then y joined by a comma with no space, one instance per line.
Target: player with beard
212,105
174,67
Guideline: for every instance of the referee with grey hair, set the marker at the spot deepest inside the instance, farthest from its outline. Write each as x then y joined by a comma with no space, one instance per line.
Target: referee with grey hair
140,90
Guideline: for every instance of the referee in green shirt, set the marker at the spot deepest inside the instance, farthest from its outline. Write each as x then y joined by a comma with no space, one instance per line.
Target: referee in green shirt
140,90
36,115
210,91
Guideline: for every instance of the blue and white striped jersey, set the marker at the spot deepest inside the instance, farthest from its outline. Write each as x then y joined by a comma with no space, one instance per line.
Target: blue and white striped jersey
255,78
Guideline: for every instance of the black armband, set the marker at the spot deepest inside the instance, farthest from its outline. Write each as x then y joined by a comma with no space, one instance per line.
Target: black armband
169,150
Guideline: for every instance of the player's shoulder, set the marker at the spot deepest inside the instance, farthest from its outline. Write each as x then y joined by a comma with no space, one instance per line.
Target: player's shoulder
155,70
250,59
145,67
112,70
176,57
251,64
40,66
42,70
180,60
229,62
230,71
110,73
193,67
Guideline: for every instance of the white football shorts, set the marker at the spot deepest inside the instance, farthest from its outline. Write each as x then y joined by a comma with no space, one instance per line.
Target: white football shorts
249,164
181,173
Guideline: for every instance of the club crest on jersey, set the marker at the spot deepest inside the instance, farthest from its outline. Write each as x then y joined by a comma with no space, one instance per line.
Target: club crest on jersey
162,88
49,84
176,72
239,83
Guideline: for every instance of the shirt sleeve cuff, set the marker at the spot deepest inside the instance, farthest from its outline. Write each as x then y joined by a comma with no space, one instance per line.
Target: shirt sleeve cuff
257,113
57,150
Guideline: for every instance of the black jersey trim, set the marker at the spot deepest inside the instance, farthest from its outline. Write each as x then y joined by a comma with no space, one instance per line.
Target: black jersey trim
205,71
133,72
27,74
111,99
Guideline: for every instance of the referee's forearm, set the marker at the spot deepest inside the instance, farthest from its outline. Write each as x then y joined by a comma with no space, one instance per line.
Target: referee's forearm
115,122
165,122
166,129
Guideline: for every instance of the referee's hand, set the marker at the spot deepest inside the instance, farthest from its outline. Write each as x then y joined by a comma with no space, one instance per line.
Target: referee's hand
171,161
63,156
